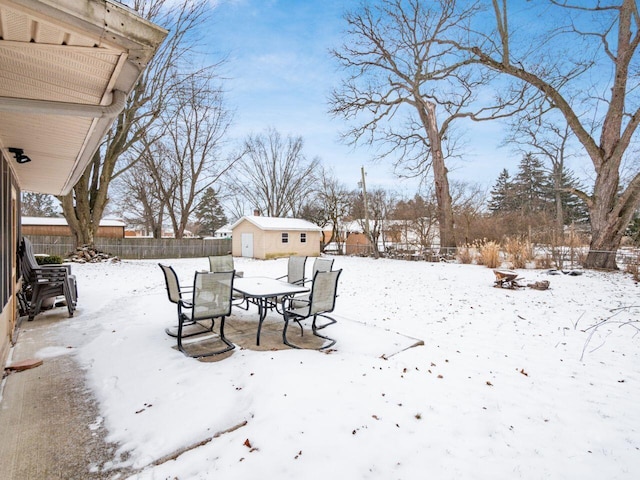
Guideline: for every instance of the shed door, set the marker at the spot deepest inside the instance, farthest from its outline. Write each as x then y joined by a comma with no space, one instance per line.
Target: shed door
247,245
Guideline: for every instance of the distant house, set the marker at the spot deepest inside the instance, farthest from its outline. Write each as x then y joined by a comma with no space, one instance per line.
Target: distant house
223,232
57,226
269,237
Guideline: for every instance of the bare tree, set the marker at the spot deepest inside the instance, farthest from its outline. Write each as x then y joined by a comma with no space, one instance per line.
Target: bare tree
468,204
187,158
273,175
38,205
381,204
84,206
596,40
335,200
138,199
396,69
551,141
419,218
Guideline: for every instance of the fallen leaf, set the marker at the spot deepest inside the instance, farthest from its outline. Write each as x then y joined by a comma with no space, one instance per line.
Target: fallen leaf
489,383
247,443
524,373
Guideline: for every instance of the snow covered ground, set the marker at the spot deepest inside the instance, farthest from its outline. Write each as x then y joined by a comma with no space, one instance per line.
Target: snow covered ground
508,384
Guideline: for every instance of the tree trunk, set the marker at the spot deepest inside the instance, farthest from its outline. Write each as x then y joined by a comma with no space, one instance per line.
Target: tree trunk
610,216
441,181
80,209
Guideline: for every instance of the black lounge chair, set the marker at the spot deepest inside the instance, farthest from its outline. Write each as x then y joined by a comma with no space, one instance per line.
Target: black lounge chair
42,282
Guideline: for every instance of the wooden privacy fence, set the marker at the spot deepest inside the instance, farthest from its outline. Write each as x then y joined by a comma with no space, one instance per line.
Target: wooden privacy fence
137,248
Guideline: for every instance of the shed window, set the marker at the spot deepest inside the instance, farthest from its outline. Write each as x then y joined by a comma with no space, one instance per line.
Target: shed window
303,238
285,237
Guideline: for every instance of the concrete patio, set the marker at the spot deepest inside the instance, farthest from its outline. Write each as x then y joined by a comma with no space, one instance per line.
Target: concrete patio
50,422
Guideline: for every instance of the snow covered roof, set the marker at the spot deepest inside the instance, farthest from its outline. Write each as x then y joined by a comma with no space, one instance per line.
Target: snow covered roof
277,223
105,222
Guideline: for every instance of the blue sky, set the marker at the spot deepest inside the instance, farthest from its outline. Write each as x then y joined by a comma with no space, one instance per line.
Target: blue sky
281,74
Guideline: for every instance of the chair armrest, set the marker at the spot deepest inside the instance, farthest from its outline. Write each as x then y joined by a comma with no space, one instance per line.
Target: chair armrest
185,304
56,267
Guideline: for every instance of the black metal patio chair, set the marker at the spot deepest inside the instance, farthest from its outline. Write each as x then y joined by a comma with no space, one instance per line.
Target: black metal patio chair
176,293
224,263
212,296
321,302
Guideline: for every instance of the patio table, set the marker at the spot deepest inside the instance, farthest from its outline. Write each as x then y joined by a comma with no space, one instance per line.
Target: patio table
259,290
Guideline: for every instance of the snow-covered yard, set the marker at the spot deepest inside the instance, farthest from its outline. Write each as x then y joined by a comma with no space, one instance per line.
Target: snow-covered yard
508,384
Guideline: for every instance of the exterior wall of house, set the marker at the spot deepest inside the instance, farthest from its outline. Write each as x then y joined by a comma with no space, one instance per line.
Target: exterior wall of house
9,198
269,244
357,244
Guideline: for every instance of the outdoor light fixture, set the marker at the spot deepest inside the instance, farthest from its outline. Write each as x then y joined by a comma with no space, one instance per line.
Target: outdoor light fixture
19,154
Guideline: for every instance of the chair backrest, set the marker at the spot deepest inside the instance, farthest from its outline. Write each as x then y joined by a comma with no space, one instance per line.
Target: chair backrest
321,265
171,280
220,263
295,269
29,258
323,292
212,294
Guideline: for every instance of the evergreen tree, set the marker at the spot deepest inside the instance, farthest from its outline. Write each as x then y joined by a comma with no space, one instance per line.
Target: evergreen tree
502,194
575,211
38,205
210,213
532,188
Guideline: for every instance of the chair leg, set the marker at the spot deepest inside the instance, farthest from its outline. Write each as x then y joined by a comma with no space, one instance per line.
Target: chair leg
315,329
284,332
331,321
229,346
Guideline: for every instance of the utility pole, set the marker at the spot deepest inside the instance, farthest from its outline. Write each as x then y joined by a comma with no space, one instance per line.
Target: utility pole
366,213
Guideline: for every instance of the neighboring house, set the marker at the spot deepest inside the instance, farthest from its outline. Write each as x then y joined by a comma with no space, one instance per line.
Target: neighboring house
223,232
396,234
66,68
270,237
109,228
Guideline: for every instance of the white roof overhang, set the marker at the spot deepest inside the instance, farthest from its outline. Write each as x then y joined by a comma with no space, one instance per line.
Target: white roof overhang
66,67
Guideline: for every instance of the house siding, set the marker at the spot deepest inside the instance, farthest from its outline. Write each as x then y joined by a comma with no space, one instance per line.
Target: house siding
9,206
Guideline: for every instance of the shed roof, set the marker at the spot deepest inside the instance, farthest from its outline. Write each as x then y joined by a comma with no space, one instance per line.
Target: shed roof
277,223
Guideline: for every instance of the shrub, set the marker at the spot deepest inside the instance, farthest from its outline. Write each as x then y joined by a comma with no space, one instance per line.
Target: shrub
518,252
49,260
466,254
489,254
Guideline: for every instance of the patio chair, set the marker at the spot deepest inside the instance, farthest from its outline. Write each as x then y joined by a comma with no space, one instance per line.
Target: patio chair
176,293
212,294
45,282
295,270
224,263
320,264
322,300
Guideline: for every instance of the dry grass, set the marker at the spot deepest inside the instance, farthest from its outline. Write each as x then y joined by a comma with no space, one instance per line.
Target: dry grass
634,270
518,252
489,254
466,254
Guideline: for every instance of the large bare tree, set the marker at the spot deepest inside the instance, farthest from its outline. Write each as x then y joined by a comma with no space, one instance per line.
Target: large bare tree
85,205
403,88
274,176
585,62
